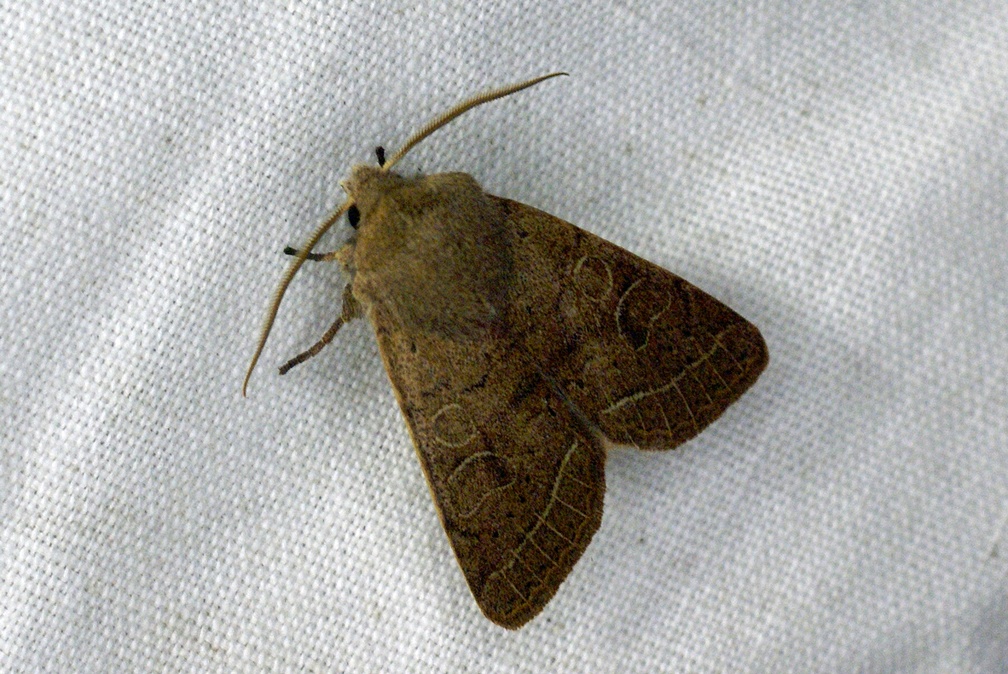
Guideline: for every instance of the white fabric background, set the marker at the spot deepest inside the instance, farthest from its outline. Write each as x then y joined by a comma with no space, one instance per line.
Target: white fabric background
837,173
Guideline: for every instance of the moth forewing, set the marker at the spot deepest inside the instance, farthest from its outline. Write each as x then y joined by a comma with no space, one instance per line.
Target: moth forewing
519,346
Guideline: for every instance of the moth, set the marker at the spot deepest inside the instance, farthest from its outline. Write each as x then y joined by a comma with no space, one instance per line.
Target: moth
520,348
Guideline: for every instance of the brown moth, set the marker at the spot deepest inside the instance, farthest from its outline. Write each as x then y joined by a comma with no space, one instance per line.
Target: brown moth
520,347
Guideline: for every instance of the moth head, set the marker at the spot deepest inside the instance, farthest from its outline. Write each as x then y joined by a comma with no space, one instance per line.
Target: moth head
364,188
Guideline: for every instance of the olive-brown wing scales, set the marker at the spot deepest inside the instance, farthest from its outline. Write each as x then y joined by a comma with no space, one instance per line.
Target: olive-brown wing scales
517,479
595,339
647,357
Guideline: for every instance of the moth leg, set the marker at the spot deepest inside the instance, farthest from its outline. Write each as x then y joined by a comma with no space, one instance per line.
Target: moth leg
351,310
314,257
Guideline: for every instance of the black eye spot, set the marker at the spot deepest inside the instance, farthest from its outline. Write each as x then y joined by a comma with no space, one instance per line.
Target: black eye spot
380,152
353,215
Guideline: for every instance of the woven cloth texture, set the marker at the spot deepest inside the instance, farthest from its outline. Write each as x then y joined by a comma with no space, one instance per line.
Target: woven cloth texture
836,172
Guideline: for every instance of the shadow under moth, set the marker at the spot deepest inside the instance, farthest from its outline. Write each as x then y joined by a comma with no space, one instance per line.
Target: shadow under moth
520,348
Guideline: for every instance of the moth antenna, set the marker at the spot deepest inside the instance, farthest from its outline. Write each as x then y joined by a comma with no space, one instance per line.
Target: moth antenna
306,250
299,260
464,106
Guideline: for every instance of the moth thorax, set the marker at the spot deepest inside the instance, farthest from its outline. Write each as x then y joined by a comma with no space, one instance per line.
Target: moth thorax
433,250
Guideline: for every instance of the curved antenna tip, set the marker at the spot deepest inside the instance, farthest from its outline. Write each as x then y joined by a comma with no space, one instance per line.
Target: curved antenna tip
464,106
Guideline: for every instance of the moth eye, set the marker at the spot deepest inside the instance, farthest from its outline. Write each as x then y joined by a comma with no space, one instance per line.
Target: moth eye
353,215
380,152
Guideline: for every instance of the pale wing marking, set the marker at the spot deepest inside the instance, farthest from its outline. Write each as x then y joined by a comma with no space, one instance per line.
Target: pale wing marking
640,395
543,553
445,441
564,503
696,426
541,521
717,340
517,591
468,460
